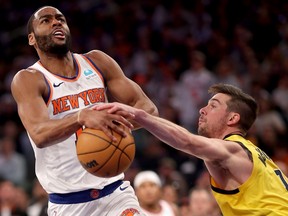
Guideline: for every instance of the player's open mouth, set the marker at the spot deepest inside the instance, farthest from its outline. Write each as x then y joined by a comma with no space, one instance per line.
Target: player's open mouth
200,121
59,34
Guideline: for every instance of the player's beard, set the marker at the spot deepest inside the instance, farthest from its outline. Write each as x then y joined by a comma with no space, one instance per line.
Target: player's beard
46,44
203,130
212,130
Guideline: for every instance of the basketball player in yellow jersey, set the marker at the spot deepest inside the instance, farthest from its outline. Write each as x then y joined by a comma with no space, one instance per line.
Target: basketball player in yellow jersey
54,98
244,180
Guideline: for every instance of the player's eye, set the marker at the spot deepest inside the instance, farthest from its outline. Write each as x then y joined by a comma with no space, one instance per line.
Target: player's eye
212,105
62,20
44,20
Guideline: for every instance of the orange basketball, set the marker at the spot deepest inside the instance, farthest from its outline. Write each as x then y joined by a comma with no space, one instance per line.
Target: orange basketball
102,157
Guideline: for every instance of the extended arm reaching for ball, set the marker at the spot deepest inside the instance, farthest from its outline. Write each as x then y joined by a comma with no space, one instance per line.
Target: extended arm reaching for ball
170,133
226,160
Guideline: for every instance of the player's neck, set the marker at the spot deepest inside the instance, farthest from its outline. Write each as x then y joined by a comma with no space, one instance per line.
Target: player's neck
63,65
153,208
233,132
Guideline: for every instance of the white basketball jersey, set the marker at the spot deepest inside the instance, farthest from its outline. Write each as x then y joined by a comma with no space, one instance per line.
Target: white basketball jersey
57,166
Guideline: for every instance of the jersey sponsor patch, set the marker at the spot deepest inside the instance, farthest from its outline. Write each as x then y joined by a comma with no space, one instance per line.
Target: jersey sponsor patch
88,72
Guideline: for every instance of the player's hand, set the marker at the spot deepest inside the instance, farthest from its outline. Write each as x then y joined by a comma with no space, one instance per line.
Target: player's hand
103,120
117,108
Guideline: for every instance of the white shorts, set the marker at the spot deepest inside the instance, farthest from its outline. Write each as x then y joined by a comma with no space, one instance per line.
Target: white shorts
122,202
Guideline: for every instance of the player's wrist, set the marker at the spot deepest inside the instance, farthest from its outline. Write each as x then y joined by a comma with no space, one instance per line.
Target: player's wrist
139,115
79,117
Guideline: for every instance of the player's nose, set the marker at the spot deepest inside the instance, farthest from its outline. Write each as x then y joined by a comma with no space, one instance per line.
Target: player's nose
56,22
202,111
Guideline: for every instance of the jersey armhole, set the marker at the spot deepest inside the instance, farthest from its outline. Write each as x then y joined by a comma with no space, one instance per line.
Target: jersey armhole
94,65
47,98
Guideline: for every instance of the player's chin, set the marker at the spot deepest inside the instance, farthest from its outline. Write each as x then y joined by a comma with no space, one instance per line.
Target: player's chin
200,130
59,42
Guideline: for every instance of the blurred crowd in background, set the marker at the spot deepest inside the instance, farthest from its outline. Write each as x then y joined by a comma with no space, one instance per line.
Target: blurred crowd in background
174,50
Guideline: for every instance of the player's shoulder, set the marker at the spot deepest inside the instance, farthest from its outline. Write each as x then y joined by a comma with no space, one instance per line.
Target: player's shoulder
95,52
27,75
98,56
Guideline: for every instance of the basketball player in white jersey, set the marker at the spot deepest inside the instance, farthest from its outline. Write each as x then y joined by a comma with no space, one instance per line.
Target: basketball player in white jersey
54,98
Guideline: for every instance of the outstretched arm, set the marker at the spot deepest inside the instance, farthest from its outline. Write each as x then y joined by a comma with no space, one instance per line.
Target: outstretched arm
226,161
169,132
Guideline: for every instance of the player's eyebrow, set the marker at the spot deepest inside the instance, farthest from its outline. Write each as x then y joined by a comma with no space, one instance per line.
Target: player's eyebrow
51,15
215,100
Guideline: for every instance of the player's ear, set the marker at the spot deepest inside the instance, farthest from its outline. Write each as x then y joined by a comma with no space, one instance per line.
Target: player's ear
233,118
31,39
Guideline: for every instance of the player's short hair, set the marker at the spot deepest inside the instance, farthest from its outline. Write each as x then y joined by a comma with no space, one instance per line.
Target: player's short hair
31,19
240,102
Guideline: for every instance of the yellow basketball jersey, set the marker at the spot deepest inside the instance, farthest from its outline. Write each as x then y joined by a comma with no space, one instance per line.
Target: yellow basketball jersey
265,193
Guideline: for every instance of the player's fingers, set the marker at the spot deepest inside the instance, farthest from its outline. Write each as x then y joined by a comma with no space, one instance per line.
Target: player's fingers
103,106
113,109
95,106
107,131
125,121
125,114
117,129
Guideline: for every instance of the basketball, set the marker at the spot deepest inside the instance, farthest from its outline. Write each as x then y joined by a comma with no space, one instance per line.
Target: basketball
102,157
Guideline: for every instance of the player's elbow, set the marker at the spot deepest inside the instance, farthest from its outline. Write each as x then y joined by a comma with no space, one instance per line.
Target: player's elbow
184,144
39,142
154,111
38,139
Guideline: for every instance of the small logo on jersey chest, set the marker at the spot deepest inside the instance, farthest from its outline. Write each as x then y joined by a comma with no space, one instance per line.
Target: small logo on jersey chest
57,85
88,72
123,188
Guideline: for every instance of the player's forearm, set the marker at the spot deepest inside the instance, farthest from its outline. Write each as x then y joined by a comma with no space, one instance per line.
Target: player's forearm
168,132
148,107
175,135
53,131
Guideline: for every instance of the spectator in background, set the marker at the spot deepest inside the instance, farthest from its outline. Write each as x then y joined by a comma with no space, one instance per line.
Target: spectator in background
13,200
148,189
202,203
12,164
270,125
170,194
133,170
168,173
21,199
226,72
10,129
191,93
39,200
200,22
150,151
280,94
